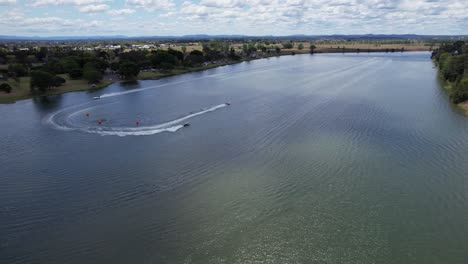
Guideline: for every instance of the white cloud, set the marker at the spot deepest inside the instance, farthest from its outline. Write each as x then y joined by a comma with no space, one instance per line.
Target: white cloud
66,2
88,2
118,12
16,18
152,5
93,8
7,2
262,17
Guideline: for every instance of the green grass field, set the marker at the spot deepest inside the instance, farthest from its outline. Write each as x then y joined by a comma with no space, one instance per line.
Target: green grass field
21,90
149,75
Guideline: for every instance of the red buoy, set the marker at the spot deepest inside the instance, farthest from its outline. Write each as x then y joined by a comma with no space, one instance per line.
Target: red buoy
137,122
99,121
87,114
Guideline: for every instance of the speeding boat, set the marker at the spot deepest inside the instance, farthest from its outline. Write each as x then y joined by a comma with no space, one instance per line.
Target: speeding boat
186,124
96,97
228,103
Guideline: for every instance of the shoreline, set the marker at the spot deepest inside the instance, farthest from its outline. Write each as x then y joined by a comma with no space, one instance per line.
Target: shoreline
56,91
447,86
6,99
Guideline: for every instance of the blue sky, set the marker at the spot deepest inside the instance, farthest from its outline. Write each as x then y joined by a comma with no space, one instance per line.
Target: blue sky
253,17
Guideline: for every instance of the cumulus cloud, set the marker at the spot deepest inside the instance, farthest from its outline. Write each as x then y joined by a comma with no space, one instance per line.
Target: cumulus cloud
7,2
277,17
93,8
152,5
66,2
118,12
19,19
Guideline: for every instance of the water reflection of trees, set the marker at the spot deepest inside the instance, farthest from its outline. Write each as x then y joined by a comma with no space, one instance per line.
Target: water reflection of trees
47,103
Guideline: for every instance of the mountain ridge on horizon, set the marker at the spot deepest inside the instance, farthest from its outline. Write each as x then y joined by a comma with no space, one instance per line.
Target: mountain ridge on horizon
233,36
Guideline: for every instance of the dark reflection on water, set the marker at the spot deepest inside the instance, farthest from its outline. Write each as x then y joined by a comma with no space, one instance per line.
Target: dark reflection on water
45,103
341,158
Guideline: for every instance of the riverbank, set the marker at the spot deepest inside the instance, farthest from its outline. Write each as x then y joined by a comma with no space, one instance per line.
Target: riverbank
21,89
463,106
451,62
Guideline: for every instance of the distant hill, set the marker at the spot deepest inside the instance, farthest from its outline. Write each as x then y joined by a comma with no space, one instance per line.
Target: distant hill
204,36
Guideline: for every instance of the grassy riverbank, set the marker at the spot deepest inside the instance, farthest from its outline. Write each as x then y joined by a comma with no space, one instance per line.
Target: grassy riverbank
21,90
448,86
452,62
154,75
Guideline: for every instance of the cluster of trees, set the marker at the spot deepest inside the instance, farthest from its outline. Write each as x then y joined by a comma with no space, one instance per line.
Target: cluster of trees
46,65
23,56
130,63
452,60
43,80
77,64
5,87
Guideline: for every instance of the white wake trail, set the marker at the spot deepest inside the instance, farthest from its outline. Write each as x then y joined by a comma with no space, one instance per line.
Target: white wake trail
64,124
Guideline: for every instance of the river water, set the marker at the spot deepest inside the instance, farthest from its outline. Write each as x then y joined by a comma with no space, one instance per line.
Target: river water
333,158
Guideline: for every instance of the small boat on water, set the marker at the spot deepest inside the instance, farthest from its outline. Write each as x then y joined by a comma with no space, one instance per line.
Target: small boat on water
186,124
96,97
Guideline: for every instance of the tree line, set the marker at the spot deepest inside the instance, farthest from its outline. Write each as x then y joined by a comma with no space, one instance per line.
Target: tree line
452,61
47,65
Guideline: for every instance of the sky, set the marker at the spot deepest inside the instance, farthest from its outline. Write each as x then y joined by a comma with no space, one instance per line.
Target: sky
252,17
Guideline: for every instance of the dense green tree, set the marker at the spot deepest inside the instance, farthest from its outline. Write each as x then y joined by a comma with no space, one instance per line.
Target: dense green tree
53,66
163,58
194,58
233,55
135,56
441,58
245,48
460,91
103,55
76,73
5,87
17,69
41,80
248,48
3,54
205,47
312,48
288,45
42,53
114,66
57,81
99,64
261,47
69,64
129,70
196,52
458,46
213,55
179,55
453,64
91,73
300,46
21,56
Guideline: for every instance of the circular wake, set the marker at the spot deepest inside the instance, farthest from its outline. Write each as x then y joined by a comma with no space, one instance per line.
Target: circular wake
62,120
